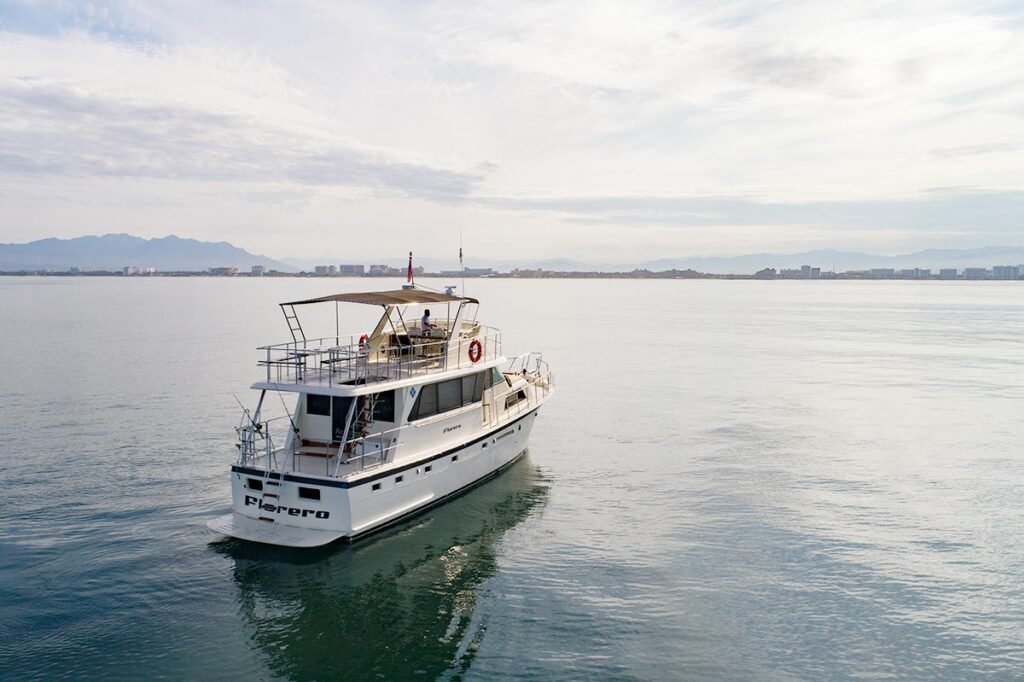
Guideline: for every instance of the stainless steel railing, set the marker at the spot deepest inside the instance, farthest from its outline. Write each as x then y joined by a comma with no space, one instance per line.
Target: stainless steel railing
346,360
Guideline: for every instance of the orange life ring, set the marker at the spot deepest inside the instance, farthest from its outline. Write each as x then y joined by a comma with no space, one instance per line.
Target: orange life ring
475,351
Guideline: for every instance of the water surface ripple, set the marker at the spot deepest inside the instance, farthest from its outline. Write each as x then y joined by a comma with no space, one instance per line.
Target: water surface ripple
735,480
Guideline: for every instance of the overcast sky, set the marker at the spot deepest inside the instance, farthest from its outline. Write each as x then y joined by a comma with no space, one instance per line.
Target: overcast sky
602,131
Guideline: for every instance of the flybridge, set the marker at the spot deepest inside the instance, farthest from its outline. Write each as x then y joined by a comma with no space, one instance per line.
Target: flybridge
399,347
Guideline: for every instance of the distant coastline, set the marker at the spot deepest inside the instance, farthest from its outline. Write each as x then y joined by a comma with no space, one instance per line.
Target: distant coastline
171,256
998,273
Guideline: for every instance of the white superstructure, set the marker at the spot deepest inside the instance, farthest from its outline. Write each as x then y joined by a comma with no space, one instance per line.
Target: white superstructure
384,424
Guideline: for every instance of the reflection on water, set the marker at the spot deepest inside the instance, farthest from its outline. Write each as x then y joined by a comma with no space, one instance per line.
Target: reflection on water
390,607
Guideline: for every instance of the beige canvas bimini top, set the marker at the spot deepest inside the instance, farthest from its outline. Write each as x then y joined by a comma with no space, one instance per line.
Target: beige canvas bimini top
386,298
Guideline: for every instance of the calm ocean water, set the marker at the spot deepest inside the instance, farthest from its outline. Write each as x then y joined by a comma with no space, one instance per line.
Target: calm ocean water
735,480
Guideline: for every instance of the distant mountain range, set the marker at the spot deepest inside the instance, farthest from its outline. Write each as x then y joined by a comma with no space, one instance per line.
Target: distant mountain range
115,251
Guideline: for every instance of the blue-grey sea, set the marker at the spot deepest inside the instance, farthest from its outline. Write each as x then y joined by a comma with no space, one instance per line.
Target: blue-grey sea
735,480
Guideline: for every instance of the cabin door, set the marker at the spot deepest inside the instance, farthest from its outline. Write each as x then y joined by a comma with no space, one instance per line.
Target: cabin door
339,415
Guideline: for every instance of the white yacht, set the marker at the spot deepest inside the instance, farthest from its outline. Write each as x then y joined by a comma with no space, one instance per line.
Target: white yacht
383,424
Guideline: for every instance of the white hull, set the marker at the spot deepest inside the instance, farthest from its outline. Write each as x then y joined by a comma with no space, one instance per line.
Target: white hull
348,509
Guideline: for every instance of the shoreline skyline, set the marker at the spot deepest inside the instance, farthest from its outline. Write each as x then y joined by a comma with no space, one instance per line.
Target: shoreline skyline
114,252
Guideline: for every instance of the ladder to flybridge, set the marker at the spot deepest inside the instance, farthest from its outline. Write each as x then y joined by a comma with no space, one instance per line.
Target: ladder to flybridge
294,326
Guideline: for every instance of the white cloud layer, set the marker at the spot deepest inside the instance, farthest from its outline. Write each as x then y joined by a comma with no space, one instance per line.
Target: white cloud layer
600,130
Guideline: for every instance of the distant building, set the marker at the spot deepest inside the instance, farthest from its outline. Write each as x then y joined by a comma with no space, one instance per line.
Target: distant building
922,273
948,273
883,272
767,273
351,270
130,270
815,273
469,272
224,272
326,271
537,272
258,271
1006,272
975,273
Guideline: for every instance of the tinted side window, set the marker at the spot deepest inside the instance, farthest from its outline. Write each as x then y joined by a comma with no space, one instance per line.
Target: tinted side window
384,407
426,402
449,395
469,388
472,389
497,377
318,404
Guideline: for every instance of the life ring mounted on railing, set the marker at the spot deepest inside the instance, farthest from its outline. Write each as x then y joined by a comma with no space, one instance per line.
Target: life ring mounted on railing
476,351
364,342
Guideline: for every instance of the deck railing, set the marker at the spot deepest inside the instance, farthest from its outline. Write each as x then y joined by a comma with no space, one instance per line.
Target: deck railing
257,447
349,360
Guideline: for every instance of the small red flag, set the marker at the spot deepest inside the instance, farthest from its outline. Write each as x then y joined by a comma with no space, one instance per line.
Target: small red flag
408,274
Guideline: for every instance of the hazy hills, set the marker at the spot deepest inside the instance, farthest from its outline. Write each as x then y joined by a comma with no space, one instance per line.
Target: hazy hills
115,251
826,259
842,261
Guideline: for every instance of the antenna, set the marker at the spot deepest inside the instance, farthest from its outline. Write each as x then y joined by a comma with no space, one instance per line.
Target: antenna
461,264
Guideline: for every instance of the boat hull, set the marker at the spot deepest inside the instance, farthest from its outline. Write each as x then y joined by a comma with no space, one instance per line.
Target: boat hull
310,511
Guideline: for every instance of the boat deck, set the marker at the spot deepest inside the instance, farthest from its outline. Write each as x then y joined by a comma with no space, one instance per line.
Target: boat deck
316,464
345,362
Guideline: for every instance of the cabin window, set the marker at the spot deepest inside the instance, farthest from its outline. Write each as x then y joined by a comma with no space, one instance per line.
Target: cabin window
497,377
449,395
384,407
309,493
427,469
426,403
472,388
513,399
398,479
455,458
318,404
375,487
254,484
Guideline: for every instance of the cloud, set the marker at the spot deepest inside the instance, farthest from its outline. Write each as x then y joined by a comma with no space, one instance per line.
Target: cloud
540,125
801,70
937,210
977,150
52,129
